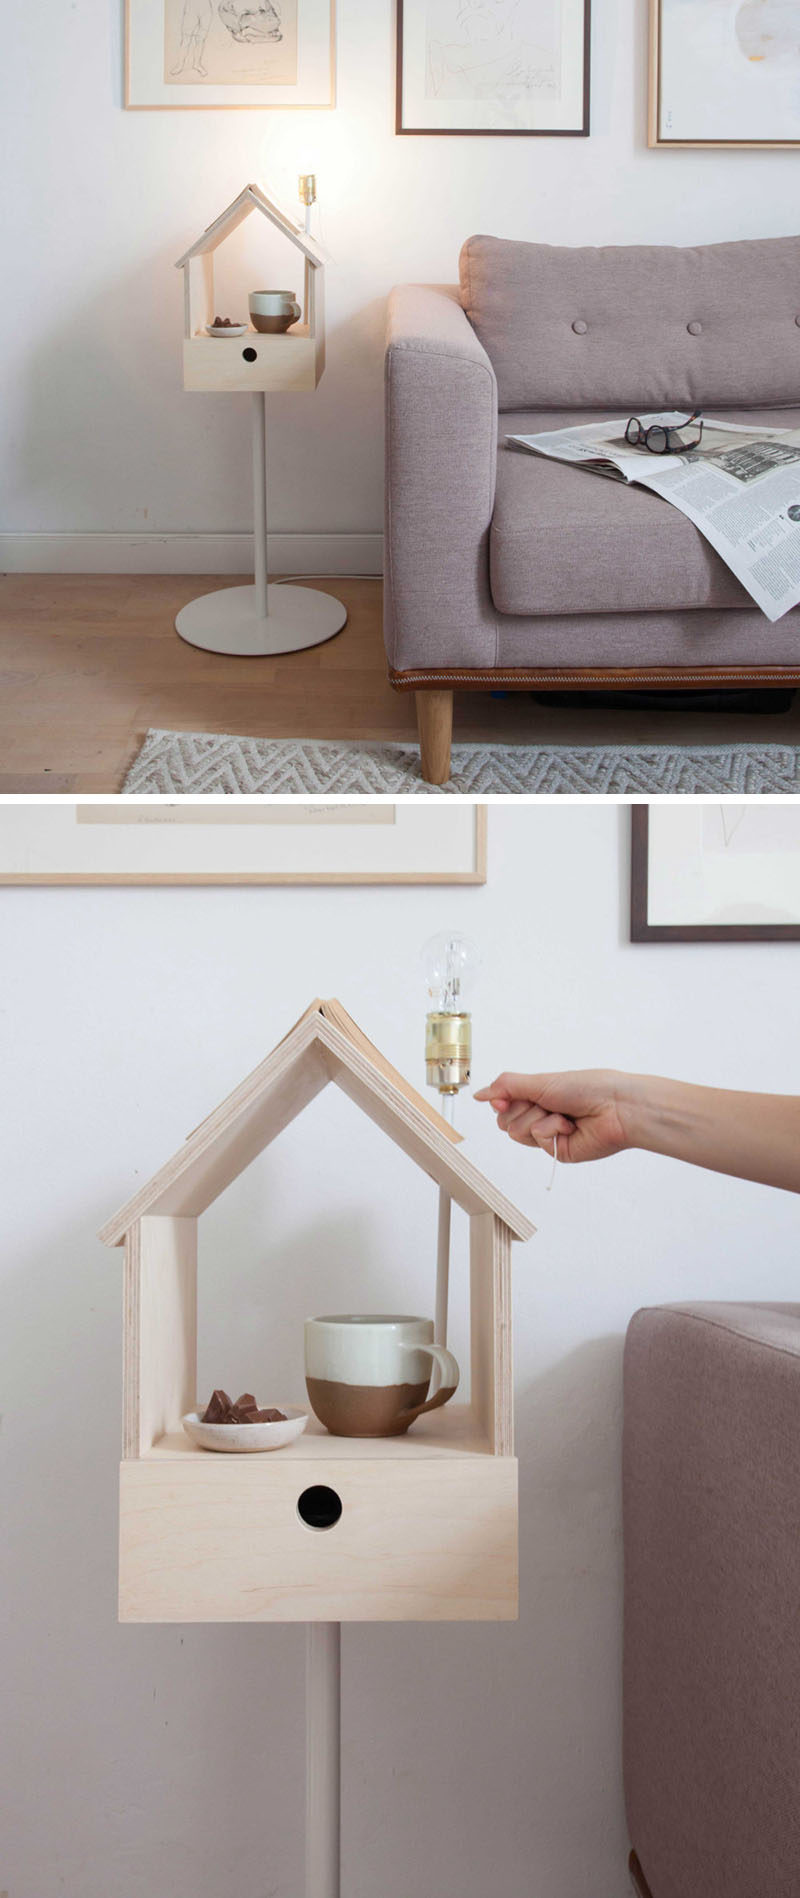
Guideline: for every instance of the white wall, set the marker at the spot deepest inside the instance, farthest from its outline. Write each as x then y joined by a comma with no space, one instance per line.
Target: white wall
100,439
169,1761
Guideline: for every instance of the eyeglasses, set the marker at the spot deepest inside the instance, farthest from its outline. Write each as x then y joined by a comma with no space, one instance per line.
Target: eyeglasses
660,440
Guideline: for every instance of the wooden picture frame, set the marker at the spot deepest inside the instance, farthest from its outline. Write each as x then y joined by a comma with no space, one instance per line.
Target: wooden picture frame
414,100
643,929
752,83
306,78
265,841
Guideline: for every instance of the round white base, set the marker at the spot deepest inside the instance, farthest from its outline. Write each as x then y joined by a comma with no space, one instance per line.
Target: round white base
227,621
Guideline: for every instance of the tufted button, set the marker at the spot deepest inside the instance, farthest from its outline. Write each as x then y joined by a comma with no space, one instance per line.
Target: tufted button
694,328
797,320
579,326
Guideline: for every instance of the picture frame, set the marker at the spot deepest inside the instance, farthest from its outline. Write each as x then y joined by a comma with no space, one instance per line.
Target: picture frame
199,55
263,841
715,872
719,77
462,81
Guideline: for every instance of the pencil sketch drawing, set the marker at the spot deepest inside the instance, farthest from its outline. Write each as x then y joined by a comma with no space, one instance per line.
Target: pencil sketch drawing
230,42
195,22
503,50
246,21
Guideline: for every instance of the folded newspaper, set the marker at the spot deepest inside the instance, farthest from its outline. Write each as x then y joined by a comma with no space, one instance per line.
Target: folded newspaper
740,487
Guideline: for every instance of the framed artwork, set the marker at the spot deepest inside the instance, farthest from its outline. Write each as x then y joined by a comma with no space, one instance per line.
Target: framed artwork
723,73
205,841
212,53
715,872
511,67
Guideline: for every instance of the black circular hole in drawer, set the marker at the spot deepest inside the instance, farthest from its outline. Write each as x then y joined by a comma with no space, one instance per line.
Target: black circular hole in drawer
319,1507
250,355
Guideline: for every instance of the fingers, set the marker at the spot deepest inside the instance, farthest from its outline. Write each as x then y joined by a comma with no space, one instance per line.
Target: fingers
512,1087
537,1128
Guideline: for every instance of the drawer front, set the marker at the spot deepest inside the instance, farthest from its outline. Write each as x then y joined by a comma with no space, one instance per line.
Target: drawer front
215,364
222,1540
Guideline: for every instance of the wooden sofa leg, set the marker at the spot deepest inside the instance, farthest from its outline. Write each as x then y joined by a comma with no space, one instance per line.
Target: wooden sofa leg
435,725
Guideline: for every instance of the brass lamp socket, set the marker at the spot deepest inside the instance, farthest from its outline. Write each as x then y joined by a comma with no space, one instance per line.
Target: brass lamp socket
307,187
448,1051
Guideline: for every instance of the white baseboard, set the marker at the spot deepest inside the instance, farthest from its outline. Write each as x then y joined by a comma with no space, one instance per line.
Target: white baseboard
188,553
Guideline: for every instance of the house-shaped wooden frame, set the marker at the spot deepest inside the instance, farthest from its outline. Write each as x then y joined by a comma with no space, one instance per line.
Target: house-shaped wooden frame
428,1529
253,362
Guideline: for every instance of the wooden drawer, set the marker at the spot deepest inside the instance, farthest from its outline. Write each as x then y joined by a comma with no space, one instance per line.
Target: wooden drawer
220,1539
219,364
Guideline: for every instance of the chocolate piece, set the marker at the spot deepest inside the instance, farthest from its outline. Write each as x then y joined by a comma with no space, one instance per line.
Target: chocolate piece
221,1410
218,1409
245,1409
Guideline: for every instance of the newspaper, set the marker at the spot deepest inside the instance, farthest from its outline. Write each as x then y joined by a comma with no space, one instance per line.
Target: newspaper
740,487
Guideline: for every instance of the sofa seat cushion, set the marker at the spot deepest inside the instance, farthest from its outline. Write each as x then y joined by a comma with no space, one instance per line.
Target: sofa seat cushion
564,540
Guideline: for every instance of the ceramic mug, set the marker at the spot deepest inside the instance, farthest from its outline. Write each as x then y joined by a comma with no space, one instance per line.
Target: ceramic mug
273,310
370,1377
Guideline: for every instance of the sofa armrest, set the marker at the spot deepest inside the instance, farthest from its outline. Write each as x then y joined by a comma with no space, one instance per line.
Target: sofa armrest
441,456
711,1492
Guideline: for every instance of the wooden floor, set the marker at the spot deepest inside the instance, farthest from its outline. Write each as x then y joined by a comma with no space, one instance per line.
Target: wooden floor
88,662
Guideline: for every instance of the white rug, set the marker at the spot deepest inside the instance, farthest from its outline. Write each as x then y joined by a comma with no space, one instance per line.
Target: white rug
198,764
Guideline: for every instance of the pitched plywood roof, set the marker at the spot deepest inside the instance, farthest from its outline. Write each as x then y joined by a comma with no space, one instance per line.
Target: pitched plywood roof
252,199
324,1045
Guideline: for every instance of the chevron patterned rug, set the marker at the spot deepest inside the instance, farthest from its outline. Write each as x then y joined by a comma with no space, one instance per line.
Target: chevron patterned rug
197,764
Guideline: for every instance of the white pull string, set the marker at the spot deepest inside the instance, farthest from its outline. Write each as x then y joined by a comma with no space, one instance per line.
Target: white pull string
551,1181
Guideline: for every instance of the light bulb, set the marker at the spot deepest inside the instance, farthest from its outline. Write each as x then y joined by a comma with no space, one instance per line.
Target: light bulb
450,963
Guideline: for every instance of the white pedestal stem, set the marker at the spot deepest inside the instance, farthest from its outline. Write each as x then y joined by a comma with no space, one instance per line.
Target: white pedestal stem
323,1767
255,621
260,502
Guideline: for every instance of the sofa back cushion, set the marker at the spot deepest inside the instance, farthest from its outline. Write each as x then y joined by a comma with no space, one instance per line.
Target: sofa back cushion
648,326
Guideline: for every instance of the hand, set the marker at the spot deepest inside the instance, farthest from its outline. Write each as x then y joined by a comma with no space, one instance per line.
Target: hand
584,1109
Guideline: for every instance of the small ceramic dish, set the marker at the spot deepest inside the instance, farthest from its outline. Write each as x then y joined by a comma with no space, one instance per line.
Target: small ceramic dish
239,1437
227,329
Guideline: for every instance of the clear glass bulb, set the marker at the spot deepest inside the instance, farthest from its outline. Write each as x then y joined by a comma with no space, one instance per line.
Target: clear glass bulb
450,963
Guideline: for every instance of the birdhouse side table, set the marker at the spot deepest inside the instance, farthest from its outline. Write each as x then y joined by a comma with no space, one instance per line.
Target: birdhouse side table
255,620
423,1527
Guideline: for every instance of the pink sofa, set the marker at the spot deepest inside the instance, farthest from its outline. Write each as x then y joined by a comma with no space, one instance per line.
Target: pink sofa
505,570
712,1600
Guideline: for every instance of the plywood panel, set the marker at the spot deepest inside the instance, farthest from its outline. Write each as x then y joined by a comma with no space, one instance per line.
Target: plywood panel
504,1356
315,1052
199,294
220,1539
167,1325
217,363
130,1342
491,1366
481,1321
453,1431
237,1131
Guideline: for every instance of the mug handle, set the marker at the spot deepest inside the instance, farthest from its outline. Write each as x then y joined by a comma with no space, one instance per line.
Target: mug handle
447,1386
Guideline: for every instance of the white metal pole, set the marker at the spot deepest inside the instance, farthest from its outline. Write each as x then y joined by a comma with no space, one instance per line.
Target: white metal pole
323,1768
260,502
447,1105
442,1269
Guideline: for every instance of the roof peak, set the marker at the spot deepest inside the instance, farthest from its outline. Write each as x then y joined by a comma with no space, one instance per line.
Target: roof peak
325,1044
252,198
